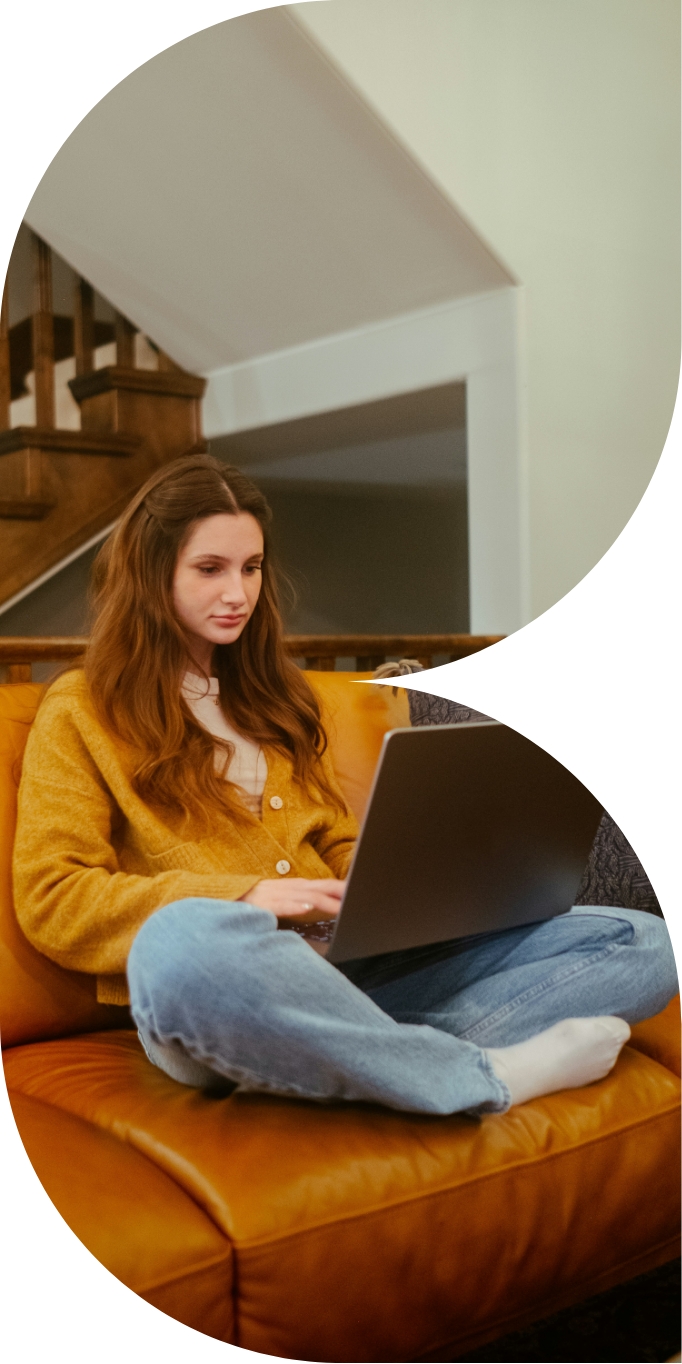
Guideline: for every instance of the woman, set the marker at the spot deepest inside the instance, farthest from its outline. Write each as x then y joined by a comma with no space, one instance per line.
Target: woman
178,806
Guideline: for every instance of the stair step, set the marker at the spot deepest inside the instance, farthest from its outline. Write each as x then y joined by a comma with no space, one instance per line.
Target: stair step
57,441
24,508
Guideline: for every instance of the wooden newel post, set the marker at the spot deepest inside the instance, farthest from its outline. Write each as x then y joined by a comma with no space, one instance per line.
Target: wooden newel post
84,327
5,375
43,334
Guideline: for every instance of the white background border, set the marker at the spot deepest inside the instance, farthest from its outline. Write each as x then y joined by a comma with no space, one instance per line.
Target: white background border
596,680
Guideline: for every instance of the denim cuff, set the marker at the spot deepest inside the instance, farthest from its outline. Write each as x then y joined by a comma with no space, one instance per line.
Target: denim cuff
503,1103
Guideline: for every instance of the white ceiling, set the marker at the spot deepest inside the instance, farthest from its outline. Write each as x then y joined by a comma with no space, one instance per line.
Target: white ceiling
235,197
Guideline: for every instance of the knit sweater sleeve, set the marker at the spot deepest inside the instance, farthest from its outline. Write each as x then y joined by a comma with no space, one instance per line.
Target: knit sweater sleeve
73,901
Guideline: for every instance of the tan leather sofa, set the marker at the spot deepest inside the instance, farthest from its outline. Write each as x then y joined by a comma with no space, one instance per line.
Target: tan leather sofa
329,1232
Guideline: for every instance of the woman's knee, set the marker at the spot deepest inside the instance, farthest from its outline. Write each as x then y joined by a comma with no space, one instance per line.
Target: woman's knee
645,977
652,961
188,948
657,957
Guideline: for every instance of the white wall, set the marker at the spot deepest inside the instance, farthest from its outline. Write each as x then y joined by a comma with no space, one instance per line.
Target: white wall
554,126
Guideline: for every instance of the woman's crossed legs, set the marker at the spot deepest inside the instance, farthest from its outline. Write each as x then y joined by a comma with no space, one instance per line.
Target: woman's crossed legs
217,991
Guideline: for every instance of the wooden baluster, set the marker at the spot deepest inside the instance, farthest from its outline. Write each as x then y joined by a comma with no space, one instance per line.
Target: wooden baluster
125,342
366,663
43,334
84,327
321,665
165,363
18,672
5,374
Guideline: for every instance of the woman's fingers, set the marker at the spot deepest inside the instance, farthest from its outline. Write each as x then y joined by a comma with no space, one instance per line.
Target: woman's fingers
316,899
308,911
327,887
298,898
325,907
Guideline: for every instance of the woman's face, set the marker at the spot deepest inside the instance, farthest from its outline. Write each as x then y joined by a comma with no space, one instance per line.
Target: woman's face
218,580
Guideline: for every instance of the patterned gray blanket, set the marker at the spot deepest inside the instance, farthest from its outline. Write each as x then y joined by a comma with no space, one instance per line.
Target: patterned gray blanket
614,874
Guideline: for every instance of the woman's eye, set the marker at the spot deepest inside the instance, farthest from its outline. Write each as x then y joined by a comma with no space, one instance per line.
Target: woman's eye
252,568
208,569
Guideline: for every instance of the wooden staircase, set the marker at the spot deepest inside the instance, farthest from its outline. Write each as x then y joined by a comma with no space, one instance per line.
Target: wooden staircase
59,488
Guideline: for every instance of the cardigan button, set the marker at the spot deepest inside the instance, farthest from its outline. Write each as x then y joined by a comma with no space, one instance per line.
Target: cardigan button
283,867
276,802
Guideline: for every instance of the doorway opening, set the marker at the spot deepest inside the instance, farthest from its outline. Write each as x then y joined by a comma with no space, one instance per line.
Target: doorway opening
370,512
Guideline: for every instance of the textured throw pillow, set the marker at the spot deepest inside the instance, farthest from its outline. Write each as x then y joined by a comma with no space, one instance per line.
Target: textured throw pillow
614,874
435,710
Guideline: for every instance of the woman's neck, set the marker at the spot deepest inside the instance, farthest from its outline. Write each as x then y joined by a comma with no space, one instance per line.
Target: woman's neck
200,659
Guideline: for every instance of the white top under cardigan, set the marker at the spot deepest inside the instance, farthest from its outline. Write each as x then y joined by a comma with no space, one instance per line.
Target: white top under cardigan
247,768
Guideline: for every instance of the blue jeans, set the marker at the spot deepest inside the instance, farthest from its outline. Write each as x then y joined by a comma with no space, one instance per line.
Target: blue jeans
219,994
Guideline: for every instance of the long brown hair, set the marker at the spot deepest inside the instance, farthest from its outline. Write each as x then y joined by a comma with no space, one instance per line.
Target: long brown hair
138,650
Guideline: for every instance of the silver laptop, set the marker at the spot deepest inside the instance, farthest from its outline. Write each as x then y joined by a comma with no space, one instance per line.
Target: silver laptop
470,828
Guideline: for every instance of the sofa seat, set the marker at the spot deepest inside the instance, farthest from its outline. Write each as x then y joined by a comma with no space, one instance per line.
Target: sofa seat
358,1233
135,1219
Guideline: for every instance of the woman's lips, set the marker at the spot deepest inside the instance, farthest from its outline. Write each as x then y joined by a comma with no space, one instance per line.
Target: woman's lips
228,620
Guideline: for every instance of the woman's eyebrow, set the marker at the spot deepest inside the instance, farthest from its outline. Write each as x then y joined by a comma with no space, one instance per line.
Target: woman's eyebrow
222,558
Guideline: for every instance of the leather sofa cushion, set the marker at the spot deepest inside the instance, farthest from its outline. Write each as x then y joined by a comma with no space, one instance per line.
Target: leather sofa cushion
131,1216
376,1230
356,718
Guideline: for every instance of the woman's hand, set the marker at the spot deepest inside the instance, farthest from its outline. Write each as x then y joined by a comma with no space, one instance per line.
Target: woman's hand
296,898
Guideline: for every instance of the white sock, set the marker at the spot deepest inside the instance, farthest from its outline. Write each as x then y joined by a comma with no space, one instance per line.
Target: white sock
574,1052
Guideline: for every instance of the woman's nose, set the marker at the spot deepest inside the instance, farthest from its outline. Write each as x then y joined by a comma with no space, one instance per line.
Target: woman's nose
233,589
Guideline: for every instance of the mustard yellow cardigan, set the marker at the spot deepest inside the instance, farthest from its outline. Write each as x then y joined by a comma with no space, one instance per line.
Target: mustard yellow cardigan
92,861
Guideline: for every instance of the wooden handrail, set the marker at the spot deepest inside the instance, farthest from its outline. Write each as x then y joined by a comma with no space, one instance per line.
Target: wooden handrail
19,653
320,652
